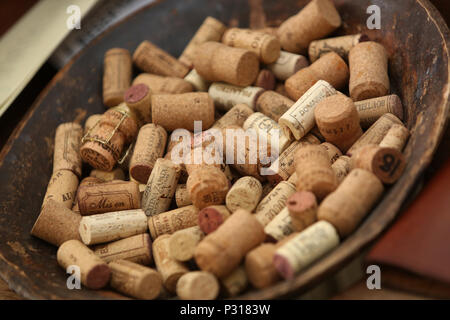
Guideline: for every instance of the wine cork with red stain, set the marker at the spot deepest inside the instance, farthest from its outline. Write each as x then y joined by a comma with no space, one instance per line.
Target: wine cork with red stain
62,188
197,81
149,146
182,196
90,122
117,69
274,202
387,164
162,84
341,45
302,207
341,167
299,119
105,176
198,285
218,62
170,269
135,280
273,104
244,194
67,148
265,46
371,110
94,272
338,121
284,166
160,187
395,138
181,110
111,226
210,30
330,67
183,242
152,59
287,65
234,283
316,20
235,116
109,196
314,172
210,218
138,98
226,96
280,226
137,249
170,221
333,152
265,80
352,200
368,71
305,248
376,132
56,224
221,252
207,186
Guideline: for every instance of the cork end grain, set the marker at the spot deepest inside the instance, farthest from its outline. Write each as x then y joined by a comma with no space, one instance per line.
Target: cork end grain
98,277
247,69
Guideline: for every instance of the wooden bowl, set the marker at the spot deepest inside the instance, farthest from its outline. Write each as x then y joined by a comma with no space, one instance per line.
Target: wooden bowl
413,32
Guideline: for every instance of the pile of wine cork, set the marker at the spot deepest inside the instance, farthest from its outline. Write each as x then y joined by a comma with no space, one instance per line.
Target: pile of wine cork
151,217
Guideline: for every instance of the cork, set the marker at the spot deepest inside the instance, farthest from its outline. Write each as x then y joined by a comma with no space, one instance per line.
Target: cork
376,132
170,221
160,187
281,89
280,226
284,166
117,69
371,110
244,194
302,208
235,116
56,224
316,132
152,59
330,68
197,81
274,202
234,283
333,152
352,200
218,62
138,98
287,65
170,269
341,45
149,146
85,181
135,280
305,248
182,196
109,196
395,138
162,84
269,30
198,285
210,218
94,272
266,80
210,30
181,110
266,188
265,46
183,242
293,178
341,167
315,21
338,121
273,104
368,71
137,249
207,186
387,164
314,172
220,252
90,122
62,188
105,176
299,119
199,157
111,226
67,148
226,96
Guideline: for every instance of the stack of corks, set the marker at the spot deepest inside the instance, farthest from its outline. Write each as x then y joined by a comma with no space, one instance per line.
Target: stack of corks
173,206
